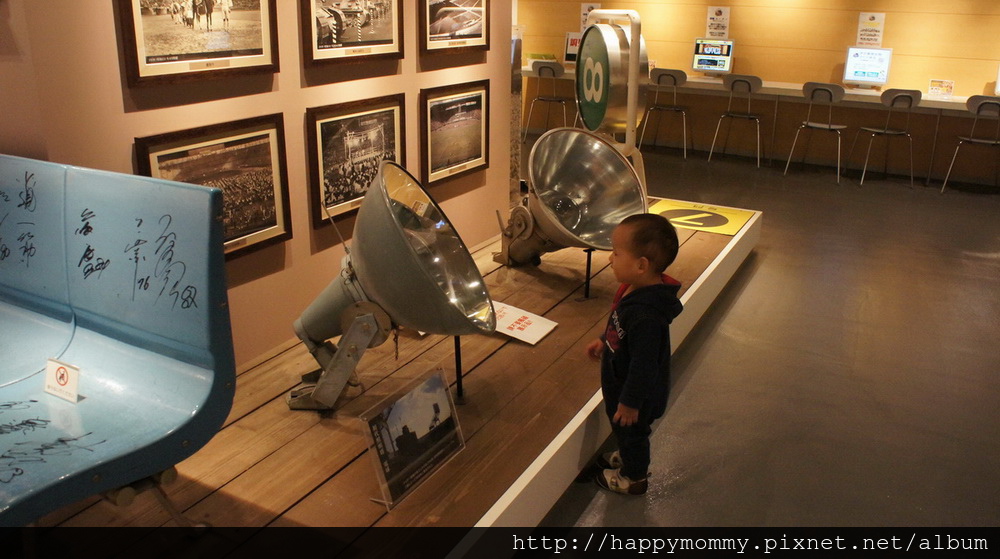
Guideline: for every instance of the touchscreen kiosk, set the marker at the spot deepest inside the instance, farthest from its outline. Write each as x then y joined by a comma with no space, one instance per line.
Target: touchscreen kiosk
867,66
713,56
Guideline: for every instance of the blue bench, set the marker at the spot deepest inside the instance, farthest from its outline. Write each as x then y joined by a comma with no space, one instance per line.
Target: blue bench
122,276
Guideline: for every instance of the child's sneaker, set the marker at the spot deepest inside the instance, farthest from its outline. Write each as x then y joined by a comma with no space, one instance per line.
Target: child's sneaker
609,461
613,480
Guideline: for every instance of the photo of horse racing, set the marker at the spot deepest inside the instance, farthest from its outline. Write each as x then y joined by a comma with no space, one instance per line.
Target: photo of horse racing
174,31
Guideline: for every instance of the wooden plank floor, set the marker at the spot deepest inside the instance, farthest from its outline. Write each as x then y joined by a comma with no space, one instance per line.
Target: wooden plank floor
270,466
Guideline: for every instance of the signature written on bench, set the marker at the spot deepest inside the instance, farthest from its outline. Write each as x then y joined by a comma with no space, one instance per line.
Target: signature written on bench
22,455
23,224
167,271
18,457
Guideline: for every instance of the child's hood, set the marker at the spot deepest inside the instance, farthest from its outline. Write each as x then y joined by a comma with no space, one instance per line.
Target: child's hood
661,298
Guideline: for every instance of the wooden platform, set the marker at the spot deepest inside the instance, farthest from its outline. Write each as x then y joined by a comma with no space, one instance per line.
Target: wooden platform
270,466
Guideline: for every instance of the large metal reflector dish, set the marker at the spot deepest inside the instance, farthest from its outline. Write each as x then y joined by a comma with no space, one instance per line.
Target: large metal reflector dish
411,261
583,186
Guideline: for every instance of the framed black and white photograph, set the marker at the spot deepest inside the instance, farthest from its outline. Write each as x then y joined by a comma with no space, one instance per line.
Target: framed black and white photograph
447,25
169,40
455,130
245,159
412,434
346,30
347,142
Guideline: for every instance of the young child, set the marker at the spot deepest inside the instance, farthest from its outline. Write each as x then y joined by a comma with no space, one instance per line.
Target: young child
635,348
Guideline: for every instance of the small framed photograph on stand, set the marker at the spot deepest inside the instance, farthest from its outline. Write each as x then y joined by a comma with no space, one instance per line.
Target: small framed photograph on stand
454,25
455,130
347,143
351,30
243,158
167,42
411,434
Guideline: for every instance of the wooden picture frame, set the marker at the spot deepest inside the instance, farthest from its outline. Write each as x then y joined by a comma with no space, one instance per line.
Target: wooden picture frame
244,158
347,143
454,25
455,130
165,42
351,30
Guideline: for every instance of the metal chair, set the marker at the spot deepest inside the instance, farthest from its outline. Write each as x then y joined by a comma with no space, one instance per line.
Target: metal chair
900,101
551,71
738,85
984,107
820,94
663,77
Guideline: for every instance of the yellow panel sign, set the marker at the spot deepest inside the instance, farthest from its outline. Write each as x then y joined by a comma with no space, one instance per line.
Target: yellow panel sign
701,217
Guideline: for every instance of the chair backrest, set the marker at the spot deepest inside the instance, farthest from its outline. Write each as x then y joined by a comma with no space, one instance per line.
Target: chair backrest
819,92
741,84
900,100
667,77
822,94
984,106
547,69
894,98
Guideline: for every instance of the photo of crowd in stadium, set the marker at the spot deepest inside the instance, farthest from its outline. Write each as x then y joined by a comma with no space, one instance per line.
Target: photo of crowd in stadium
245,159
348,142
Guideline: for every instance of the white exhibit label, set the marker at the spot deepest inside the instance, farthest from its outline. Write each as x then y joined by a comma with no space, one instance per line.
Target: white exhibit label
521,325
62,380
870,28
717,24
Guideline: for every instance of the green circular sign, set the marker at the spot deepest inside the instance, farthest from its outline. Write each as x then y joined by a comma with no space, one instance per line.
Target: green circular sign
593,77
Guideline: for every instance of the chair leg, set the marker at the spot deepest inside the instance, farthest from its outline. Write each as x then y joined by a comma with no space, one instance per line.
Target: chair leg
712,149
838,156
910,138
645,123
948,174
868,154
792,152
684,133
758,142
850,153
527,122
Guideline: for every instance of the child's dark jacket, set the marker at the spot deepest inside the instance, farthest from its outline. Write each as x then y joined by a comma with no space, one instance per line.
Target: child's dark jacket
635,366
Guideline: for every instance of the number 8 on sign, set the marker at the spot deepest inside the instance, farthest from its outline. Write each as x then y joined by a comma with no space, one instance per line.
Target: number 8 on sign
593,72
593,81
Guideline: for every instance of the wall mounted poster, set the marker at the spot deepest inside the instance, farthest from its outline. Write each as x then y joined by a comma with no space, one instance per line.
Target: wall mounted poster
165,41
455,130
454,24
412,434
347,142
870,28
245,159
338,30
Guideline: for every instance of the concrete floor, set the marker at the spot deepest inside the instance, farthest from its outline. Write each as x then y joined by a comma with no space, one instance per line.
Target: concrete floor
849,375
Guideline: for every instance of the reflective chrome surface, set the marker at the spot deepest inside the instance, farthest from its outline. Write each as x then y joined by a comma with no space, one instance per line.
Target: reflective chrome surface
411,261
583,185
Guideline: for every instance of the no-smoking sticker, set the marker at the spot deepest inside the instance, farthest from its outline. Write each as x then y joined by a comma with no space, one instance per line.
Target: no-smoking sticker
62,380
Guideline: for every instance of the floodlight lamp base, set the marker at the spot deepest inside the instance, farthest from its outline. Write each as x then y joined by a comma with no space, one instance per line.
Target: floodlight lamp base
339,364
521,241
